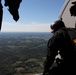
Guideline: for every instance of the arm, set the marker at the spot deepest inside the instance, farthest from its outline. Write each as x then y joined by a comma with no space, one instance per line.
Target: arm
52,48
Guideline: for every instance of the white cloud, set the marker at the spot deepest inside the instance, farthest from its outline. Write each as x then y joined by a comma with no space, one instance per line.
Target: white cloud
17,27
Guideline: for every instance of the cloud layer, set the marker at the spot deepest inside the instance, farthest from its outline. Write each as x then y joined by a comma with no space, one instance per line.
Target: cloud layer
17,27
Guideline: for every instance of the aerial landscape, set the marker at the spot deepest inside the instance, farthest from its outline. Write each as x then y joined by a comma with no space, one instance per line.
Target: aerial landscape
23,43
22,53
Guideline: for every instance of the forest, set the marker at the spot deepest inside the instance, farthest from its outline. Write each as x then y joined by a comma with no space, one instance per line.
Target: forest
22,53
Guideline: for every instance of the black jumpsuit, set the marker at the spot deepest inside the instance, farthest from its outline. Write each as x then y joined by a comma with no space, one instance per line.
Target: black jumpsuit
60,41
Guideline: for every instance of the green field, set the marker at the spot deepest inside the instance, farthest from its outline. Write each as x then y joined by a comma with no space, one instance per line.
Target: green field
22,53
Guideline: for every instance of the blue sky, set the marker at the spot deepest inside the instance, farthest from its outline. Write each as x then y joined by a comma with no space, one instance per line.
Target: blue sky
35,16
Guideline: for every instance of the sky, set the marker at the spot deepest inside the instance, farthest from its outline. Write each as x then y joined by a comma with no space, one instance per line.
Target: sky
35,16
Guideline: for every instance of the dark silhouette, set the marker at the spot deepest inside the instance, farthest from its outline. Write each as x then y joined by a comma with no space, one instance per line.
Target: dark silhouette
13,9
73,9
60,41
1,14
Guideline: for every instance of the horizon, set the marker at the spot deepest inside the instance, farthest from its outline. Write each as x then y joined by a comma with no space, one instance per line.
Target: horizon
25,32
